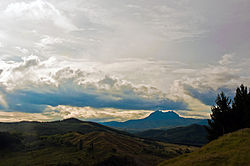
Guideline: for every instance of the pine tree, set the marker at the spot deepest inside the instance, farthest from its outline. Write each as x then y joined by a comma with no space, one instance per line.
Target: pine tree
241,107
220,121
226,118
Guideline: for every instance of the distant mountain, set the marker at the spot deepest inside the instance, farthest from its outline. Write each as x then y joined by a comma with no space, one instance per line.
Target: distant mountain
194,134
156,120
231,149
73,142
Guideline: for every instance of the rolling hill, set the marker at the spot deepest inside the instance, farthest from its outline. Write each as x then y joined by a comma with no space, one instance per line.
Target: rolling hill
74,142
194,134
156,120
55,127
232,149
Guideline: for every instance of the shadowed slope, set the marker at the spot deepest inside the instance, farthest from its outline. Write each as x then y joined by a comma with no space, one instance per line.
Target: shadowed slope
75,142
189,135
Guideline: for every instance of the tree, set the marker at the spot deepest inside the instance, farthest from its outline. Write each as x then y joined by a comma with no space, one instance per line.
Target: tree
80,144
241,107
220,121
227,117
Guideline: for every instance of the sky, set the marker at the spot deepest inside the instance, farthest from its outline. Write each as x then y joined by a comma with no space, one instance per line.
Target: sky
115,60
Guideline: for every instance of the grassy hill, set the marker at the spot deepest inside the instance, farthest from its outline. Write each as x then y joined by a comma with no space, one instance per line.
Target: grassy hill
56,127
74,142
189,135
229,150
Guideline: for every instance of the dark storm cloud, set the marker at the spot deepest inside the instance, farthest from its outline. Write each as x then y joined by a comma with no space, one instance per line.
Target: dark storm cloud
29,101
208,95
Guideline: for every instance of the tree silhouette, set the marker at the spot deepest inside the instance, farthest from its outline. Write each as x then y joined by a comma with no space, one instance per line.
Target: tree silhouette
241,107
227,117
219,123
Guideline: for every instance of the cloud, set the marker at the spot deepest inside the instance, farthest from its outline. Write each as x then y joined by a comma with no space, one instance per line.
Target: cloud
20,116
48,40
32,85
206,96
226,59
96,30
72,94
35,10
200,87
84,113
3,102
39,10
122,54
93,114
192,114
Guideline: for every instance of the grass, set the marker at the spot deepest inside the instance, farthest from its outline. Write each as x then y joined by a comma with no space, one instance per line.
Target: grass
229,150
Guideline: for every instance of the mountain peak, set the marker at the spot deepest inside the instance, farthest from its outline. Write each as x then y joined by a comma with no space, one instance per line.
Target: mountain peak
157,115
72,120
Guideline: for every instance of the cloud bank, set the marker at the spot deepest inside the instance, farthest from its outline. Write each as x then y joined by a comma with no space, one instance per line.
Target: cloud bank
67,58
